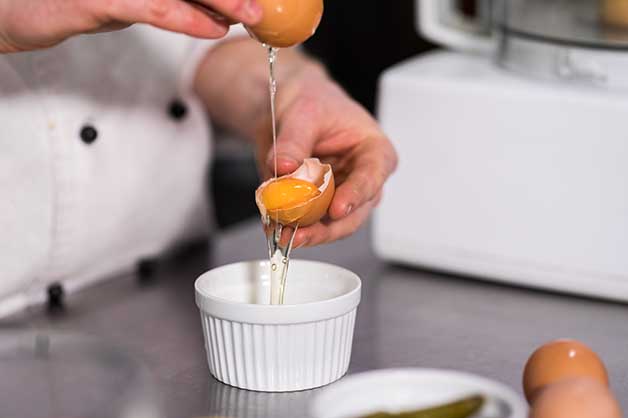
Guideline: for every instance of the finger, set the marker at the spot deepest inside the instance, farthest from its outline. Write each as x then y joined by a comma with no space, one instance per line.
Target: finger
212,13
286,233
374,163
322,233
296,139
172,15
248,12
286,236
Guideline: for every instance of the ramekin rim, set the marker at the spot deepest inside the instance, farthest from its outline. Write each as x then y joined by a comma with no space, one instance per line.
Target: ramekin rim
260,261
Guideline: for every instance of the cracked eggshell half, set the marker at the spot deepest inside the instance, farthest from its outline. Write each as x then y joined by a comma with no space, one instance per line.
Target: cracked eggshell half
310,211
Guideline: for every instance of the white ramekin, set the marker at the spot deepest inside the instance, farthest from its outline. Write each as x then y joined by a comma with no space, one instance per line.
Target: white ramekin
303,344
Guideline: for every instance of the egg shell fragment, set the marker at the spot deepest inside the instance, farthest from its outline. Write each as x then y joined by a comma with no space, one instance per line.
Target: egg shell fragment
559,360
314,209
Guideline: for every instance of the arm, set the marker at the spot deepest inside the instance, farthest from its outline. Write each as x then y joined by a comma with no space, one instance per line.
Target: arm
232,81
315,118
34,24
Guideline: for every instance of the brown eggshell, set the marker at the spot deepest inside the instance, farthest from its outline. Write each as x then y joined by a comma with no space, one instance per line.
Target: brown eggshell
615,12
313,210
559,360
576,398
286,23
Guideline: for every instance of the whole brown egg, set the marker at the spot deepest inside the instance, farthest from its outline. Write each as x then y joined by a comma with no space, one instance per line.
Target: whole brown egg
287,23
576,398
559,360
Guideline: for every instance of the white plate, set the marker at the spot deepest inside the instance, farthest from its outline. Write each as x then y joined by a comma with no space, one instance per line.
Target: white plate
398,390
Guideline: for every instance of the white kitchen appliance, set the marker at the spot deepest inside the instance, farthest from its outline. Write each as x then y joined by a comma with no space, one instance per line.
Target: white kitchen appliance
513,146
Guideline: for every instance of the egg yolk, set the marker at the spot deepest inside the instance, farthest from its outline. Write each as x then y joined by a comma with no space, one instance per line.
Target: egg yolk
287,193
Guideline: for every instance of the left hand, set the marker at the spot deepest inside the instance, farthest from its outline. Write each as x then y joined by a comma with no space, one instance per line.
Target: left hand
317,119
34,24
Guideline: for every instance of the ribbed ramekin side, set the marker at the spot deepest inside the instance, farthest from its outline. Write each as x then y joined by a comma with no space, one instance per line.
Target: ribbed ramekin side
278,358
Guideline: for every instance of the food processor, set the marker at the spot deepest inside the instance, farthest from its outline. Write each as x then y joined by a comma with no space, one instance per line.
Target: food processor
581,41
514,145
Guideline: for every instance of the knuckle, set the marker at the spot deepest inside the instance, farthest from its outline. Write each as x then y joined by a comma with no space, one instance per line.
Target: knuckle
360,191
158,9
235,7
383,167
387,159
347,232
390,155
393,158
361,181
107,9
379,177
368,183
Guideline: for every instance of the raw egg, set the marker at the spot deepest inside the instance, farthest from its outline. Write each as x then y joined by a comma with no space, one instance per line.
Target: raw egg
287,193
576,398
559,360
302,197
287,22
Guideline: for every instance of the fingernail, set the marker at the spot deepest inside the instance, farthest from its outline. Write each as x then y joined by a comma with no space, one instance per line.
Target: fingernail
253,11
282,161
349,209
287,159
281,156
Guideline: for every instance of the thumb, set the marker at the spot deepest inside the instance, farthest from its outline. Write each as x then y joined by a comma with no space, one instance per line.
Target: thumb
295,143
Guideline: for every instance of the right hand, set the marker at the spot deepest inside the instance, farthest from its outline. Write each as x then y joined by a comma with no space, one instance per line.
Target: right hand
34,24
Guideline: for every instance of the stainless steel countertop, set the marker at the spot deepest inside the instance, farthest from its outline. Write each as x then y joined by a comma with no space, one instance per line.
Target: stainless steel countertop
407,318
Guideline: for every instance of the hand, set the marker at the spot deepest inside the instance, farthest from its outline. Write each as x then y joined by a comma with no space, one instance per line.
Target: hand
34,24
316,118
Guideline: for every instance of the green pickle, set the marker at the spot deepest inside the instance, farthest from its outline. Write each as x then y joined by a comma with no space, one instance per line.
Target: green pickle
463,408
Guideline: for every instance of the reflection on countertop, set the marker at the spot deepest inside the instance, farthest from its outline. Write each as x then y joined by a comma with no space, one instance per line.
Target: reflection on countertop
407,318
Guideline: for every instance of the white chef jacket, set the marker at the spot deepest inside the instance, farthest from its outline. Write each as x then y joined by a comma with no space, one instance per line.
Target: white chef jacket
74,208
